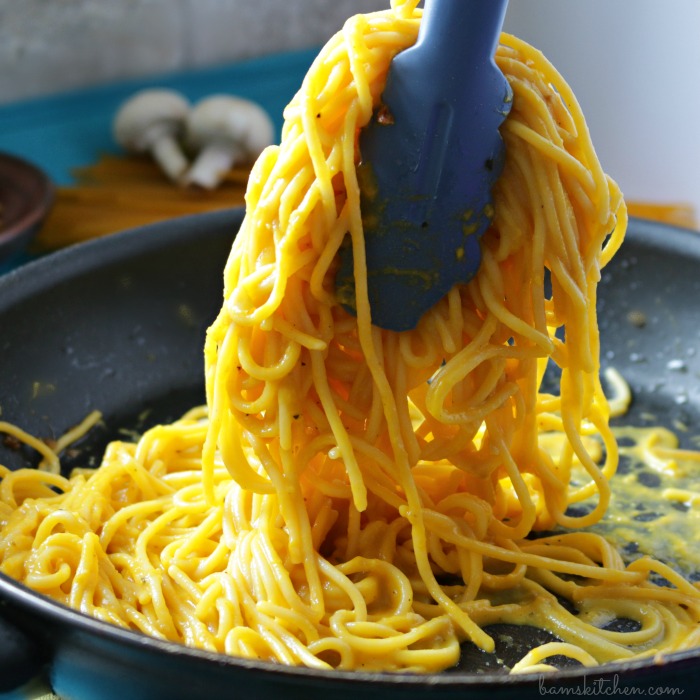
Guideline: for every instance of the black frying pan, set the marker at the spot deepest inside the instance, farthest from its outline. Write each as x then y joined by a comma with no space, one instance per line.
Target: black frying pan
118,325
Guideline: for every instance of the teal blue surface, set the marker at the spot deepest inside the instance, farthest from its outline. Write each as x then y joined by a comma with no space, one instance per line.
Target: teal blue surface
62,132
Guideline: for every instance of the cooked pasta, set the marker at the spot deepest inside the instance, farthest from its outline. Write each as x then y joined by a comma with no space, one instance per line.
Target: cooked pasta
356,498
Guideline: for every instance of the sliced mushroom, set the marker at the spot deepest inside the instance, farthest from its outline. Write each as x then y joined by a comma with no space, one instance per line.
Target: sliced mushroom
152,120
226,130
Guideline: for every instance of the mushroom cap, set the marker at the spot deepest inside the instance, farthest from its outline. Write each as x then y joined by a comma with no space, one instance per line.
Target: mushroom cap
226,119
147,115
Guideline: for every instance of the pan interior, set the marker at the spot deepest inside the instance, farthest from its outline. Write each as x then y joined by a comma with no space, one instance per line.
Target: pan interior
126,338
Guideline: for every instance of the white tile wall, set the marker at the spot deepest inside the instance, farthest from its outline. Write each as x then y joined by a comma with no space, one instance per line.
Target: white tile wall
635,68
52,45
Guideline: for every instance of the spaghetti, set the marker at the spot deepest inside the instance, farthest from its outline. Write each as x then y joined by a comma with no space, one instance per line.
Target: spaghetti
355,498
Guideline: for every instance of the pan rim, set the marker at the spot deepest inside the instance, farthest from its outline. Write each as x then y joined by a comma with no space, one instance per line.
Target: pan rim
52,268
17,593
59,267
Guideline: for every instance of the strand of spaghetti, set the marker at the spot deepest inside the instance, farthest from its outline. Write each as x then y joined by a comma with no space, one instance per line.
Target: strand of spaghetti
532,659
15,484
527,513
550,76
618,232
444,526
354,474
552,152
50,461
640,593
78,431
86,575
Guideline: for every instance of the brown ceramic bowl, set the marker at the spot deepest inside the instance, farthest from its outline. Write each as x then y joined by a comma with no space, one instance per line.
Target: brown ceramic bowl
26,195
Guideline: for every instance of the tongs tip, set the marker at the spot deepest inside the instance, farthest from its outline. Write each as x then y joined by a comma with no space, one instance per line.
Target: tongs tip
430,157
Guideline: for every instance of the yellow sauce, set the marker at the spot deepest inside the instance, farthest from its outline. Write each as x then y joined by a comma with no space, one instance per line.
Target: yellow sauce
655,504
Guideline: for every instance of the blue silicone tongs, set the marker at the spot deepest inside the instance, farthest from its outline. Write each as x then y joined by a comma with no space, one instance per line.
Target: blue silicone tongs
429,159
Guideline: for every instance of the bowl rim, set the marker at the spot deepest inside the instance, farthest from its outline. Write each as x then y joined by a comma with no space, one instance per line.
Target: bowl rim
40,204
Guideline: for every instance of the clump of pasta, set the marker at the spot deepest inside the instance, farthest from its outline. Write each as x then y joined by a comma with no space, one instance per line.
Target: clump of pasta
356,498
